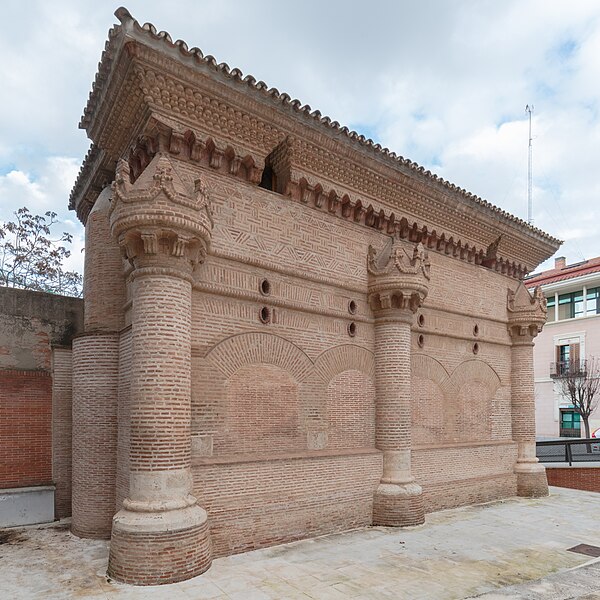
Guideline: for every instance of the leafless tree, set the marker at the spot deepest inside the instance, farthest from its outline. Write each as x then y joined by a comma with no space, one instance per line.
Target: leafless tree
580,383
30,259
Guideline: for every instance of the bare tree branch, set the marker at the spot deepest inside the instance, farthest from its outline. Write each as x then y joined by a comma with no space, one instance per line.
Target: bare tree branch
580,382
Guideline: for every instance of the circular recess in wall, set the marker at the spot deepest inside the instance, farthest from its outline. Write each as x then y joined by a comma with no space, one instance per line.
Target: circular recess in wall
421,340
352,307
352,329
475,348
265,314
421,320
265,287
476,330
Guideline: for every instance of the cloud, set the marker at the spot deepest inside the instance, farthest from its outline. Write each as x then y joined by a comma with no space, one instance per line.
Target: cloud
45,192
444,84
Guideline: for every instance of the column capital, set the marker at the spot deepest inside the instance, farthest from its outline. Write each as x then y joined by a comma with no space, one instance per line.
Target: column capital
398,280
160,222
526,314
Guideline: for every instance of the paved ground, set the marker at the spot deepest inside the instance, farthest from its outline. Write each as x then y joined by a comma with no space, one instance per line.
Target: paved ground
494,551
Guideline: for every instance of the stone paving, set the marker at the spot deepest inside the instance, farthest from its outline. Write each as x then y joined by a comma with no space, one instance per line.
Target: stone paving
511,549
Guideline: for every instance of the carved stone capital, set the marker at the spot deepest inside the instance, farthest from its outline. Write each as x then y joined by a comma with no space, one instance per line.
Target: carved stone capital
159,221
526,313
398,280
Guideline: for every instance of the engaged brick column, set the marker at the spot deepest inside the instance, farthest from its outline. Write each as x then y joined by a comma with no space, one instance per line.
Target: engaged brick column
398,284
62,419
95,382
526,316
94,438
160,535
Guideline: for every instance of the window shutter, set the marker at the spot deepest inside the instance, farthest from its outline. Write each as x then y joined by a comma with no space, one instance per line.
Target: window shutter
574,355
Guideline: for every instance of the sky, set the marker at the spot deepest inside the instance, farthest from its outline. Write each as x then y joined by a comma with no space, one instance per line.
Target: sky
442,83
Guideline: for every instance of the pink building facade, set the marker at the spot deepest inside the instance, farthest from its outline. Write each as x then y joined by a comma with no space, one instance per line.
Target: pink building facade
571,333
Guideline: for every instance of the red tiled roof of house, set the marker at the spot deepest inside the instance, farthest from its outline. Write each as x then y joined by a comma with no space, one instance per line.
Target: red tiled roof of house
568,272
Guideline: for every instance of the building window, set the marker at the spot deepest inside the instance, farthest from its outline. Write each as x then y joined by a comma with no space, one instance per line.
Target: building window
570,305
593,301
551,302
570,423
567,355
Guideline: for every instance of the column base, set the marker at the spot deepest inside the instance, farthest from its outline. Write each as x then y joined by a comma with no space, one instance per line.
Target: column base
153,548
398,505
531,480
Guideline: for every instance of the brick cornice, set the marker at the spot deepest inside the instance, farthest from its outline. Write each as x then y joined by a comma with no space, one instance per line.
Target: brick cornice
168,80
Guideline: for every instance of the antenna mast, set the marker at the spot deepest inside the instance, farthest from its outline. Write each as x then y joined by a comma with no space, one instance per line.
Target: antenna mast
529,110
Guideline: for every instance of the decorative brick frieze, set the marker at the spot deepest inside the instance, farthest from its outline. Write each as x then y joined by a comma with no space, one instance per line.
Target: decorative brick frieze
156,79
188,145
195,147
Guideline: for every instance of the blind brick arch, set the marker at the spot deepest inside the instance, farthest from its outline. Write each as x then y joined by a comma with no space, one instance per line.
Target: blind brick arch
452,408
346,373
256,398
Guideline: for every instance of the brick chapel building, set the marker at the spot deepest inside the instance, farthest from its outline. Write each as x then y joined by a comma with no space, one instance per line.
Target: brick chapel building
289,330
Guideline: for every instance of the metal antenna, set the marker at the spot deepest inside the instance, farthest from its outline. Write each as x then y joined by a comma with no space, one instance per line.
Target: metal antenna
529,109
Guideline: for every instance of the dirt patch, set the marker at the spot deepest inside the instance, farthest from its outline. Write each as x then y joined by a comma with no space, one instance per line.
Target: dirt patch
11,537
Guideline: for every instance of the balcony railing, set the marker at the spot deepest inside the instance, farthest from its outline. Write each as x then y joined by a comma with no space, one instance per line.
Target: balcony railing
568,368
569,451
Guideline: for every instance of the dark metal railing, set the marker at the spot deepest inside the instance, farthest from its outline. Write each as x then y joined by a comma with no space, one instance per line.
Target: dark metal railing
568,368
569,451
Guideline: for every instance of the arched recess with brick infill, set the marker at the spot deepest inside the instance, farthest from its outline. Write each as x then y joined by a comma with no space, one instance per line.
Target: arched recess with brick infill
432,395
476,385
255,399
346,374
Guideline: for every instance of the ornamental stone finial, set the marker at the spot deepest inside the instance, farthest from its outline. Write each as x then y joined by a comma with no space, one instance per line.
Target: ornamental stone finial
159,216
526,312
398,279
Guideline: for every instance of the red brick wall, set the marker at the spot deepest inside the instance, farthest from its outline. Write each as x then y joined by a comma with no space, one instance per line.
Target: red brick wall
585,478
25,428
256,503
457,474
262,411
35,390
351,411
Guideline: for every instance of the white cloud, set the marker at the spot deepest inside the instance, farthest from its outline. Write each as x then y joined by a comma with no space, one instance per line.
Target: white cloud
46,192
444,84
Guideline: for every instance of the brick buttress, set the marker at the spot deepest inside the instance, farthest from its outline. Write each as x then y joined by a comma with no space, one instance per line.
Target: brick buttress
161,534
398,284
95,374
526,316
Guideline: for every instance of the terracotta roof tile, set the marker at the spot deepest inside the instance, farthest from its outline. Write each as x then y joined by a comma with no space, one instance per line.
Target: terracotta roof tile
569,272
275,95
